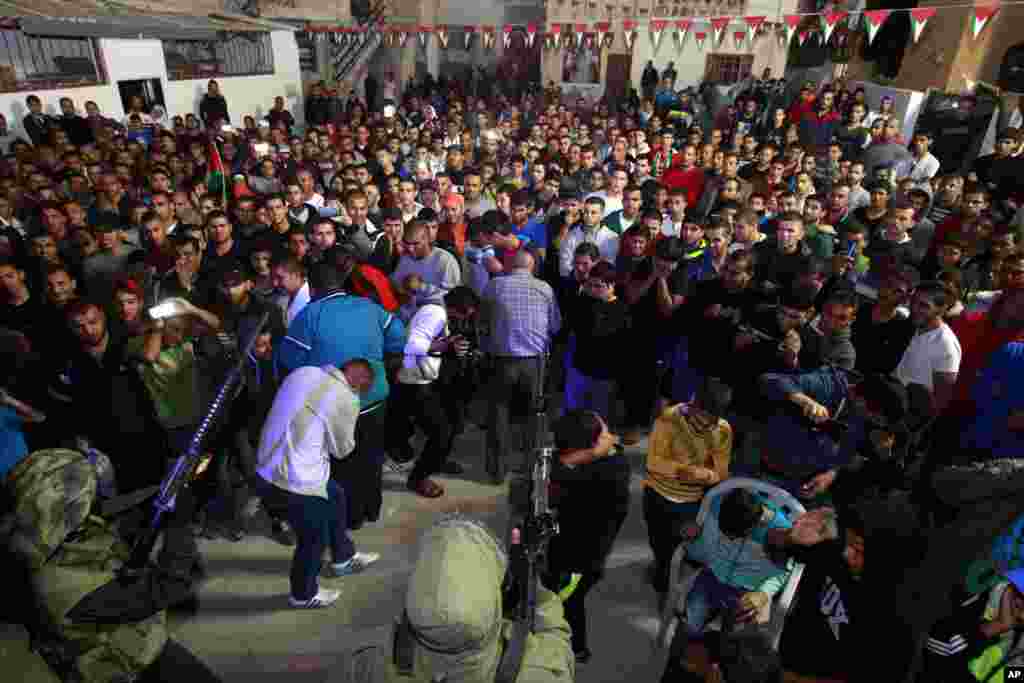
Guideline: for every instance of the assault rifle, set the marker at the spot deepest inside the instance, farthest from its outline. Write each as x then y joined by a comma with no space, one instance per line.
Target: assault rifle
529,555
140,590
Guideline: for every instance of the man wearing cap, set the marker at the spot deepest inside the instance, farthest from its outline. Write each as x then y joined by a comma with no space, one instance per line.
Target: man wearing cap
112,259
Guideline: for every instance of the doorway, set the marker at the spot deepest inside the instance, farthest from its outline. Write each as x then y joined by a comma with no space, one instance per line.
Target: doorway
617,77
149,89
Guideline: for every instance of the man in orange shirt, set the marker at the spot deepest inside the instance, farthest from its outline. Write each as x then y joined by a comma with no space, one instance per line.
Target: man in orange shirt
452,233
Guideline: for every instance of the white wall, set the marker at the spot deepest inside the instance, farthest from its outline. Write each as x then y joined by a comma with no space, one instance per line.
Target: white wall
136,59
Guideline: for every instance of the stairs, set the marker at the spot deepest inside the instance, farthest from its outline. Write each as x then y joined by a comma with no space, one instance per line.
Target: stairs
347,57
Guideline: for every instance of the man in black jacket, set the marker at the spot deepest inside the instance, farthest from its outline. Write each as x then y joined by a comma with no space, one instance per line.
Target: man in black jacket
213,109
588,467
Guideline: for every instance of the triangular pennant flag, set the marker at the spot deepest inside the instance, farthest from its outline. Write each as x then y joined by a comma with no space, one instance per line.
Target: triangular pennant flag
403,36
981,17
802,38
388,35
791,22
601,28
442,36
556,35
699,37
506,36
629,33
531,34
682,30
581,36
424,35
488,37
753,25
467,35
657,31
829,22
874,20
718,26
738,37
919,19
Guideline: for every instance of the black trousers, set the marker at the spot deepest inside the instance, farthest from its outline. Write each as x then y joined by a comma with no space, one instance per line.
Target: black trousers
665,521
515,380
361,473
419,405
638,387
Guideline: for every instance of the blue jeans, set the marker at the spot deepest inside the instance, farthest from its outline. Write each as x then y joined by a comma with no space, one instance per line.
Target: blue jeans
707,598
583,392
317,522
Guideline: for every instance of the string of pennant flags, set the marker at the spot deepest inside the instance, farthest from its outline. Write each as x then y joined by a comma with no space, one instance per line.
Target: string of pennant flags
788,27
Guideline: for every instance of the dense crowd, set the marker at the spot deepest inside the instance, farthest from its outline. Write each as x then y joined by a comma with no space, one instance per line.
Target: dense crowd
789,291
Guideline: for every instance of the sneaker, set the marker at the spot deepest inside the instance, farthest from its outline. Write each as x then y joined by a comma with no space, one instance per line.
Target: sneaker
358,563
323,598
282,532
399,467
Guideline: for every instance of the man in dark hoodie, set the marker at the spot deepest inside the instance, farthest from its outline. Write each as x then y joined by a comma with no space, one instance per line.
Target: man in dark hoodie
878,575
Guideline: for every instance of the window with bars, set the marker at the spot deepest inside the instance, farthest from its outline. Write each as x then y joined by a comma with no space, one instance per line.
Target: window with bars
30,62
727,68
238,54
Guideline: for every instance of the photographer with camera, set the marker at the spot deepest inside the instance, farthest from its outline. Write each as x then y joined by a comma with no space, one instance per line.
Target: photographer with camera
415,400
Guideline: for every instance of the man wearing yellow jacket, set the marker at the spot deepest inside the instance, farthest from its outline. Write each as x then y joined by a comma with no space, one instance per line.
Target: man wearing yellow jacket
689,452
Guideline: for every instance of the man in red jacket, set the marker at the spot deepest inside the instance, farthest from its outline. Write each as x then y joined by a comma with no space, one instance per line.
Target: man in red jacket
687,175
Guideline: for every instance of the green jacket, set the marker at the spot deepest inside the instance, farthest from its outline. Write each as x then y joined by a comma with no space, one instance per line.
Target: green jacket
455,625
53,492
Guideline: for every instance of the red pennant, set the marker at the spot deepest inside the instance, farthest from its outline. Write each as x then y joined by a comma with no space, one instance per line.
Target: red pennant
919,18
628,33
682,29
699,37
830,21
738,37
753,25
718,26
506,36
531,35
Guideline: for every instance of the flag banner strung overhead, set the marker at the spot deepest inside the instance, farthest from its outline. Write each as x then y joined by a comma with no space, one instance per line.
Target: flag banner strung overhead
424,35
919,19
467,36
506,36
698,38
738,37
718,26
981,17
442,36
555,33
681,31
601,28
830,21
791,22
487,37
629,33
581,36
657,31
531,35
753,26
874,20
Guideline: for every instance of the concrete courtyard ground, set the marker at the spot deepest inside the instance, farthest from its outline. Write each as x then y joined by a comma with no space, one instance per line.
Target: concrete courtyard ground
244,630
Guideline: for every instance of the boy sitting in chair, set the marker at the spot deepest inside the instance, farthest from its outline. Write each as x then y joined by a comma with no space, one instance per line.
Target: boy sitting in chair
738,578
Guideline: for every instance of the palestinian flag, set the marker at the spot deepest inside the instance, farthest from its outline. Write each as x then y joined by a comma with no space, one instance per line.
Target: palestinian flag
919,18
981,18
216,178
874,20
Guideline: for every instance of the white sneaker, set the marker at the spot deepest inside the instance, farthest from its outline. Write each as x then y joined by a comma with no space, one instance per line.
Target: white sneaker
358,563
323,598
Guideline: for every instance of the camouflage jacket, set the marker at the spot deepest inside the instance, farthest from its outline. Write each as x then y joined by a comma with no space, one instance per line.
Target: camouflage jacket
70,553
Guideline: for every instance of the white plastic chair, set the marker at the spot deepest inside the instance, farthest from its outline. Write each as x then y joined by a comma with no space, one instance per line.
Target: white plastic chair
682,574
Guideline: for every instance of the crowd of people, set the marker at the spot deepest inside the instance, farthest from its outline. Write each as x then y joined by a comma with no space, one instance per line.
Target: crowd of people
798,294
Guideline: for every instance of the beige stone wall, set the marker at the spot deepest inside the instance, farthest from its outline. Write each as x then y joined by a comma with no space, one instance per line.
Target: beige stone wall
948,53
